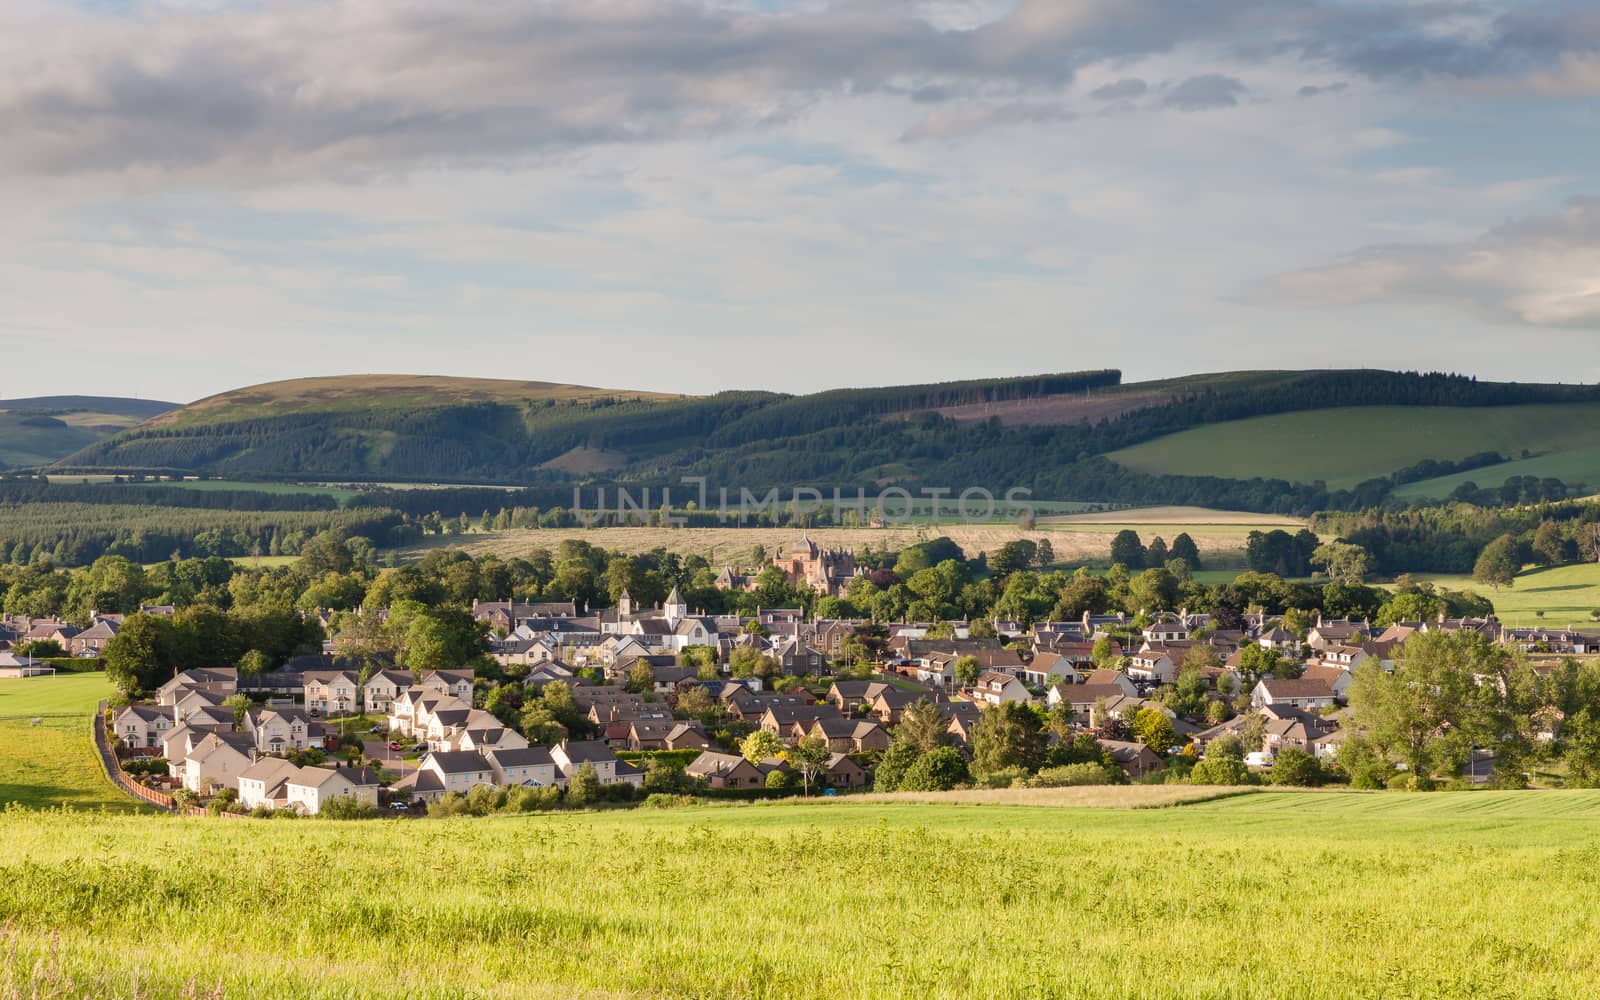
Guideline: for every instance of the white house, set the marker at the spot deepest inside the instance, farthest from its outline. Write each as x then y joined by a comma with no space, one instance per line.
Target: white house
311,788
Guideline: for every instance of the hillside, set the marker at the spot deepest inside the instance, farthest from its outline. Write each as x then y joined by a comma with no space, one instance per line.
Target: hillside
1348,445
1276,442
43,429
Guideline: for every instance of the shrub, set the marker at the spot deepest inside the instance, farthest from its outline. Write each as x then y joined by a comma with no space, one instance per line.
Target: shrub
1293,766
1071,775
777,780
1221,771
938,770
659,801
348,807
1008,777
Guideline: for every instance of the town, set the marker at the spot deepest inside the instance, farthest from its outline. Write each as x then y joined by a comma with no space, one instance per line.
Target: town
565,704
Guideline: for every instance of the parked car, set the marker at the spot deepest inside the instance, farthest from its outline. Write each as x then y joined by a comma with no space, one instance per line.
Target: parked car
376,730
400,807
1258,759
395,745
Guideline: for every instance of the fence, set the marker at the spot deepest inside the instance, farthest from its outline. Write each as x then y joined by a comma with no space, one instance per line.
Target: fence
119,777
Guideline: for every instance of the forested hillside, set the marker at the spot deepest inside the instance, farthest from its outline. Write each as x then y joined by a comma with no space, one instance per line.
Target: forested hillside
44,429
386,428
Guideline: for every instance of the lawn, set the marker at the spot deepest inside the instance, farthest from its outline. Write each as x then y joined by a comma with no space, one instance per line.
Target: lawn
1261,895
31,696
1345,446
1566,595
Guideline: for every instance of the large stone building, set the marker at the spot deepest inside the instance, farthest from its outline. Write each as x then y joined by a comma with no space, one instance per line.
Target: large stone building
807,564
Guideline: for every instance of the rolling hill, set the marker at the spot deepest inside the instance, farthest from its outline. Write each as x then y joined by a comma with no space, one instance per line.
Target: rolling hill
1269,441
1347,445
43,429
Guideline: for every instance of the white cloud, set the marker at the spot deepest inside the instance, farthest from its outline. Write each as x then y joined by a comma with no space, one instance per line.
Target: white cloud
1540,271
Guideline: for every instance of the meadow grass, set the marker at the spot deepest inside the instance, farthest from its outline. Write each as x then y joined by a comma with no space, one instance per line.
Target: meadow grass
1579,465
53,764
1347,445
1307,894
1566,595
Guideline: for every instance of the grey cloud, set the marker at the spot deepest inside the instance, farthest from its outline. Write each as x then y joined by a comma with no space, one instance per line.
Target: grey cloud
1125,89
1538,271
357,85
1316,90
1200,93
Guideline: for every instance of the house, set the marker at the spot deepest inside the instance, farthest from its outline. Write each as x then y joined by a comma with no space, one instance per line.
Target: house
659,734
1156,662
1116,677
141,725
780,720
275,730
892,702
312,788
847,696
963,715
91,642
842,771
13,666
569,756
1337,678
531,766
457,770
215,762
996,689
1336,632
1135,759
1080,699
220,681
1298,693
850,735
382,688
1050,668
725,770
456,683
261,784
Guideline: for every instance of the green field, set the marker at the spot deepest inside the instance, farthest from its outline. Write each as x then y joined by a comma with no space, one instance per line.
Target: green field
53,763
1345,446
281,489
1566,595
76,693
1581,465
1320,895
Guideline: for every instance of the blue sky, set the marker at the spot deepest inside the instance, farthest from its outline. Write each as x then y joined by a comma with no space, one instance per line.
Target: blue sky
700,196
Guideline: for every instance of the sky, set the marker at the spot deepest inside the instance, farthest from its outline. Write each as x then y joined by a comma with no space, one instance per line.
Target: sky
697,196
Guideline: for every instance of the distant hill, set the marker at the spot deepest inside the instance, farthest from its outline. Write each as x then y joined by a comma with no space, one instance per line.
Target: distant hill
1206,440
43,429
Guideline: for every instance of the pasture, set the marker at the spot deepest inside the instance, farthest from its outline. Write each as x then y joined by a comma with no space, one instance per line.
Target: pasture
1256,895
1565,594
1345,446
53,763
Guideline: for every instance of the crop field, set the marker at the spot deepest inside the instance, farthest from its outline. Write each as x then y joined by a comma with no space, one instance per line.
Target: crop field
1074,541
1565,594
1348,445
1257,895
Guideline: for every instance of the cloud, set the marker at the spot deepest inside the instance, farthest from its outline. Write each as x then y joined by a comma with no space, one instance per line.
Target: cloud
1315,90
1124,89
308,86
1540,271
1200,93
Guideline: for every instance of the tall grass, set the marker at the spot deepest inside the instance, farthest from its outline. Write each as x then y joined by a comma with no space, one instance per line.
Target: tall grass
1260,896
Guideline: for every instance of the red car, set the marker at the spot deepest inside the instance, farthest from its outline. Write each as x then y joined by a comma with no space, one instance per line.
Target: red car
393,745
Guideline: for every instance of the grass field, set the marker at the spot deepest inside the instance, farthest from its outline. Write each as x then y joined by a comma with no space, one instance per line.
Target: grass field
338,493
1254,896
52,695
53,763
1345,446
1566,595
1074,541
1580,465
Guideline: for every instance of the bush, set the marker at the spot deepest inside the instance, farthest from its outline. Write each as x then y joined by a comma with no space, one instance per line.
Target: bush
1293,766
348,807
142,768
778,780
1221,771
1072,775
1408,782
893,764
938,770
659,801
1008,777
